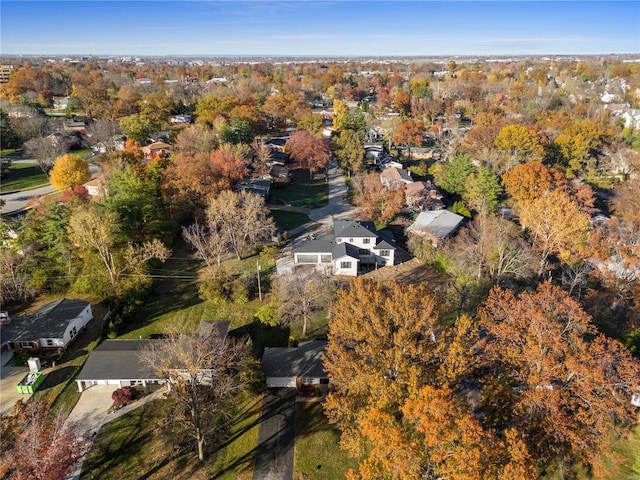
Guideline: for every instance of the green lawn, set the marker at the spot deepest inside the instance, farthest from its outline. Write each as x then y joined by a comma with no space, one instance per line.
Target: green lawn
288,220
23,176
141,445
302,192
317,455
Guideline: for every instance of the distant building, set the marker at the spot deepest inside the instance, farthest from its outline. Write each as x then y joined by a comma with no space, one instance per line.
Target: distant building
5,72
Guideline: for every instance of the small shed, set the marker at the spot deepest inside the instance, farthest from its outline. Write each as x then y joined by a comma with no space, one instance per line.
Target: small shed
291,367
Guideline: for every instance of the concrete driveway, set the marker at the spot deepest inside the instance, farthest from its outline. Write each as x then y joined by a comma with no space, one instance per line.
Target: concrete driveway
10,376
274,454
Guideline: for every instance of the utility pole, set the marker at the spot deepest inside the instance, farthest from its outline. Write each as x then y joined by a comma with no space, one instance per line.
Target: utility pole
258,268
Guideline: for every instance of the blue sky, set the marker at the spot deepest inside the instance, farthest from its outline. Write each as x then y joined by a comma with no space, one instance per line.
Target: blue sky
318,27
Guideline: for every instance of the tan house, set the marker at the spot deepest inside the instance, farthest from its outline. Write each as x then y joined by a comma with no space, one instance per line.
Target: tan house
394,178
157,149
423,196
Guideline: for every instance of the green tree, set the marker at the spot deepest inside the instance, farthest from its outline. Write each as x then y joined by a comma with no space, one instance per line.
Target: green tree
69,171
420,87
138,126
452,176
312,123
350,151
482,190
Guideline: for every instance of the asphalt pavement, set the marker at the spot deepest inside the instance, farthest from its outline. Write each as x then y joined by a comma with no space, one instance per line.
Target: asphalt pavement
274,453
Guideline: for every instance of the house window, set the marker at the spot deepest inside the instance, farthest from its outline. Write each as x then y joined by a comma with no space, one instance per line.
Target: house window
366,240
25,344
363,251
73,332
351,240
384,253
49,342
345,264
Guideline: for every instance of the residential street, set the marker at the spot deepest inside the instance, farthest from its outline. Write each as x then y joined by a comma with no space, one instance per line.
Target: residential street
15,202
274,454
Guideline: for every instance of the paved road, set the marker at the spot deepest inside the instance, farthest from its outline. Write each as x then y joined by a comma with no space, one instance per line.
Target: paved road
15,202
274,454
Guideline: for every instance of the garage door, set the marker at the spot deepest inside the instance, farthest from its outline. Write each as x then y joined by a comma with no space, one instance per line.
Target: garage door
307,258
281,382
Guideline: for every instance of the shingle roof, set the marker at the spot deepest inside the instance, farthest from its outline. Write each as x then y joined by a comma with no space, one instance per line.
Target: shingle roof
118,360
304,361
50,321
354,229
436,222
315,246
344,250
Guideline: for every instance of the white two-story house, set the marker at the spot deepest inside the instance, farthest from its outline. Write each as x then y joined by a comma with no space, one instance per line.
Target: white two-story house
353,246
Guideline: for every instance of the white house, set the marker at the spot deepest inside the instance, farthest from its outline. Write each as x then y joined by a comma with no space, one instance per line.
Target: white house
353,245
435,225
55,325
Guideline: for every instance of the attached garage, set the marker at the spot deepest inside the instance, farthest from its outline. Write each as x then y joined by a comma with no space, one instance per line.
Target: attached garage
292,367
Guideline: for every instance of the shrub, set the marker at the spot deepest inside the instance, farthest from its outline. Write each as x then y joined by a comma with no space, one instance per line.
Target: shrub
124,395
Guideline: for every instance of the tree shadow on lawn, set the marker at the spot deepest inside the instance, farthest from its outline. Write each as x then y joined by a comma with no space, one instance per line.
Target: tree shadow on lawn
310,419
263,336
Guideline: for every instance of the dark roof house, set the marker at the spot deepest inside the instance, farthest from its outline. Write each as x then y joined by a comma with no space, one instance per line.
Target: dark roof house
283,366
54,325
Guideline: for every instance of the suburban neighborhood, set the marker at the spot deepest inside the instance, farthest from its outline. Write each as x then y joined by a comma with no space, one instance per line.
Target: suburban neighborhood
287,267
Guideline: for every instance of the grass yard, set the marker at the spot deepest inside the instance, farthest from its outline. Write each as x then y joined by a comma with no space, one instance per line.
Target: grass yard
302,192
317,455
22,176
140,445
288,220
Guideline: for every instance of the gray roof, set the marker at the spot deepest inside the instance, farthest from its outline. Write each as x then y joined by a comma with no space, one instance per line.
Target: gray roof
436,222
118,360
50,321
304,361
354,229
345,250
320,245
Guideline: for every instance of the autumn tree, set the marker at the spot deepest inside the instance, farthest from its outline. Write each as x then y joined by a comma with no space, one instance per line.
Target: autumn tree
350,151
301,294
519,145
195,139
377,362
38,445
242,220
110,265
409,133
69,171
374,200
531,180
578,144
204,372
313,123
563,385
308,152
556,226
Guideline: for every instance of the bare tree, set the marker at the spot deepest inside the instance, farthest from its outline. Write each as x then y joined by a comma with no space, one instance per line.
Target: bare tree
241,218
301,294
45,150
204,373
209,244
101,134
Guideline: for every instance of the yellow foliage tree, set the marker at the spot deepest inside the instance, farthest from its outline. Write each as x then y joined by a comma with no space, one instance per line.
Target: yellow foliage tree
69,171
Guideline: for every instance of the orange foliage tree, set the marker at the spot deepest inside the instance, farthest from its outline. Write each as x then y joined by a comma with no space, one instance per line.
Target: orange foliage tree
308,152
373,199
566,387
